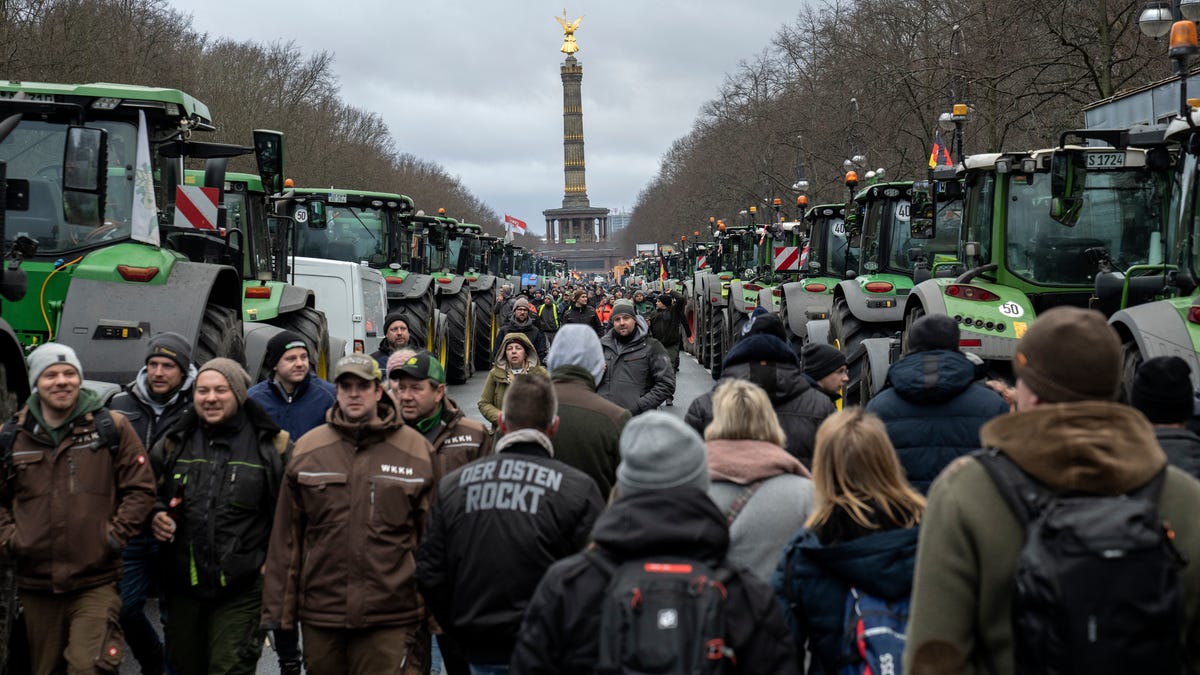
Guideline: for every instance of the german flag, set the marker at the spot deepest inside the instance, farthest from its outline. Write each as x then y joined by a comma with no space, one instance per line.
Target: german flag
940,155
662,268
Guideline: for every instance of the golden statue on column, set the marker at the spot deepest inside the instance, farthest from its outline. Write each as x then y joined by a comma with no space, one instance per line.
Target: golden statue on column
569,46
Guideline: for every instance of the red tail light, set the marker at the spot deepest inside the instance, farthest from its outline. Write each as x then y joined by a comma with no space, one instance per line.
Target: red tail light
394,280
878,286
260,292
970,343
1194,313
815,288
965,292
444,280
137,273
752,287
359,347
777,293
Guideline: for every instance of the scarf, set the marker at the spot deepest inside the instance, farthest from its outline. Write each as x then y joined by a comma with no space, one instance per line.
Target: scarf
744,462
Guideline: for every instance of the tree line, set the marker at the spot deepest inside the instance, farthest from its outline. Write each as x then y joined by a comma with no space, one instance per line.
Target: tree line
246,85
870,77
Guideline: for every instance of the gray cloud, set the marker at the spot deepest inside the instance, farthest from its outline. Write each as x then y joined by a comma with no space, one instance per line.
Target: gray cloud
473,84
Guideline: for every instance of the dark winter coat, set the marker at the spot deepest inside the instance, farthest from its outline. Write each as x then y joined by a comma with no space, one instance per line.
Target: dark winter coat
638,375
585,315
560,634
933,409
385,351
768,362
1182,448
149,419
301,412
589,427
228,478
540,511
531,328
812,581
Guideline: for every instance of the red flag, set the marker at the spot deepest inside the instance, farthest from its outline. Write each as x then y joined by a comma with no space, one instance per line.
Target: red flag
940,155
516,223
662,269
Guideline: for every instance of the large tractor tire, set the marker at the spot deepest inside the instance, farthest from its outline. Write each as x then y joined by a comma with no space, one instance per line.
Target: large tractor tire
485,328
847,333
717,343
13,644
459,320
1131,361
313,326
418,311
220,335
441,340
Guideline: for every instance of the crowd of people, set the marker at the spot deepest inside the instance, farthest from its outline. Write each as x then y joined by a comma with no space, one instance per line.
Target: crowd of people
368,526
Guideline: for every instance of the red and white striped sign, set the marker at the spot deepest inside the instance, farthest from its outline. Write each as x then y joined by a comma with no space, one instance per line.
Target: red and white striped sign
787,258
196,207
804,257
702,262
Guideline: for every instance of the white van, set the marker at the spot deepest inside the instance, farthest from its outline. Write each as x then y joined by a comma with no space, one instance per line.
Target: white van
353,298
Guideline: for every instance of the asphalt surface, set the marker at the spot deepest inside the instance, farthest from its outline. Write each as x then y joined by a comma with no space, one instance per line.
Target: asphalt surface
690,382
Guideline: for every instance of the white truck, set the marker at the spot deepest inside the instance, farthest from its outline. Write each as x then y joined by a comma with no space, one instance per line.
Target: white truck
353,298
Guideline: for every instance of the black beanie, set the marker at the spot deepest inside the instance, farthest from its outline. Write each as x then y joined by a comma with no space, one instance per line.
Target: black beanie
931,332
767,324
393,318
821,359
171,346
1162,390
283,341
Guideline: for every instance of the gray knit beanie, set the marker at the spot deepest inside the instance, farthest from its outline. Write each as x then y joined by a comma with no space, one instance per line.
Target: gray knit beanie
659,451
234,373
577,345
171,346
49,354
624,306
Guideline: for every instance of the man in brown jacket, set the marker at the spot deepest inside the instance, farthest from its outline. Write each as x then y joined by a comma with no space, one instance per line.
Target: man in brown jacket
346,531
75,486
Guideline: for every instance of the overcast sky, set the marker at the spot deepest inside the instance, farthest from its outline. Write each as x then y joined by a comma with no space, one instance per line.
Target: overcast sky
474,84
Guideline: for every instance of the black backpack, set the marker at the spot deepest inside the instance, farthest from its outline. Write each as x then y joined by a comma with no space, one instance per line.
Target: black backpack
663,615
1097,581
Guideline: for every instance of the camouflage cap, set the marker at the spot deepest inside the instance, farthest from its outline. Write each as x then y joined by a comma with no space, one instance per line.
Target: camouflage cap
358,365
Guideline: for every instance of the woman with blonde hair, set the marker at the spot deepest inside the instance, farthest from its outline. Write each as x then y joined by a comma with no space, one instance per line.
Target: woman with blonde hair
762,489
862,534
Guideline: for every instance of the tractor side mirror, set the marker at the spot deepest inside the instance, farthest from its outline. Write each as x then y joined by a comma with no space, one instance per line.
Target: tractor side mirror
85,176
268,154
1067,173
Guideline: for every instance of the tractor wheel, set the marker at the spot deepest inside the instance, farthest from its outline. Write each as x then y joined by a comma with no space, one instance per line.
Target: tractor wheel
459,326
721,342
847,334
701,333
1131,360
909,319
866,384
312,325
220,335
485,328
713,332
441,340
420,312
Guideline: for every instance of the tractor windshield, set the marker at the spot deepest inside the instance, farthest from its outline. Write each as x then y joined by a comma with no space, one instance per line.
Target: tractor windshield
352,234
247,212
831,247
34,152
1122,217
884,222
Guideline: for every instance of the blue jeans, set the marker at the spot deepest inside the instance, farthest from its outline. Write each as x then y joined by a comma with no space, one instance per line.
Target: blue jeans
138,583
489,670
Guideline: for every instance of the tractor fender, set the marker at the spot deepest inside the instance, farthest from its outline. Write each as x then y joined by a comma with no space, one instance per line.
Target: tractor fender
878,355
1158,330
799,302
484,282
257,335
293,298
856,302
337,349
451,287
818,332
12,356
109,324
928,295
414,286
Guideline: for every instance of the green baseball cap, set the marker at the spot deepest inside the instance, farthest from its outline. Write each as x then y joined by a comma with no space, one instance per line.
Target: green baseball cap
421,366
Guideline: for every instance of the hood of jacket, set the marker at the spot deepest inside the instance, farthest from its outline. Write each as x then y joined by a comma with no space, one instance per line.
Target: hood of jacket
531,357
1090,447
89,401
881,564
571,373
386,420
758,348
679,521
782,381
931,377
141,390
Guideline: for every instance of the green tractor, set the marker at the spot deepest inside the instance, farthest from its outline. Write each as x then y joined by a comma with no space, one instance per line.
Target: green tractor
1038,230
449,260
105,282
825,259
484,274
870,302
724,312
270,303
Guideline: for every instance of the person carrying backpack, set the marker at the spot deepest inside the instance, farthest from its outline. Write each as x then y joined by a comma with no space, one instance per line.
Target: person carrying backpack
853,559
995,592
656,576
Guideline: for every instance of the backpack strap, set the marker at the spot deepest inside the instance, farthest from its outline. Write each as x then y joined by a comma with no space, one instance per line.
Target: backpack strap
1024,495
106,428
739,502
8,436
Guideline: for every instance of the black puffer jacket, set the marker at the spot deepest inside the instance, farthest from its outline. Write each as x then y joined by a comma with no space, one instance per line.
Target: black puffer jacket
561,630
140,409
638,375
508,516
767,361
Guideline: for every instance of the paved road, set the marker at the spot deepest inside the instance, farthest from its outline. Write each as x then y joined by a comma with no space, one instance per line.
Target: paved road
692,381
